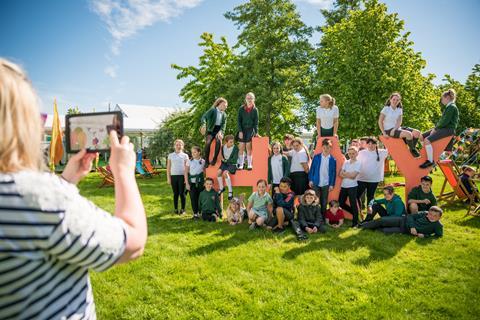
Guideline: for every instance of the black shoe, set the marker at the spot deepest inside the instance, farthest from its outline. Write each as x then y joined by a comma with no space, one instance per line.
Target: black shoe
414,152
176,211
219,192
230,196
278,230
214,162
426,164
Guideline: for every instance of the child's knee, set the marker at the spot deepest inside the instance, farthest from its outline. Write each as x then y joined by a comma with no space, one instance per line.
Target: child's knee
225,174
260,221
413,208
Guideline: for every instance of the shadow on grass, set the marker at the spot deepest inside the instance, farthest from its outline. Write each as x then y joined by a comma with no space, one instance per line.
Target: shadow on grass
469,221
380,246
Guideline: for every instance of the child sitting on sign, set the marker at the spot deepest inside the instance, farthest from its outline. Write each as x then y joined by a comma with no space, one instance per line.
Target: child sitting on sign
236,210
310,213
334,216
259,206
228,166
209,202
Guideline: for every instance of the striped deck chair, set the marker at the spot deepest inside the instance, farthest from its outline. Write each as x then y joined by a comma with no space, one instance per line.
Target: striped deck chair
107,177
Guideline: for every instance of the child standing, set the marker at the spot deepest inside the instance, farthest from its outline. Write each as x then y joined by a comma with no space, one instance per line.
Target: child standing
278,166
195,179
298,167
334,215
372,169
327,117
228,166
350,170
209,202
259,206
236,210
309,213
176,167
323,173
214,122
247,129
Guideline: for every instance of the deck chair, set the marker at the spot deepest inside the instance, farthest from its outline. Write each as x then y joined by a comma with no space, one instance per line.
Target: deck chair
107,177
140,171
452,172
147,164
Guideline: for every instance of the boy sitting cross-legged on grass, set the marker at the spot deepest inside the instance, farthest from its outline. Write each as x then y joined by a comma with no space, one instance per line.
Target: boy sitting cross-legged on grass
310,213
209,202
259,206
283,199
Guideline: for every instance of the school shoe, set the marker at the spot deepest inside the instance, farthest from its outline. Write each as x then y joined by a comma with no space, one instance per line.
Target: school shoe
221,191
182,212
253,226
414,152
230,196
249,167
239,167
176,211
426,164
195,216
278,230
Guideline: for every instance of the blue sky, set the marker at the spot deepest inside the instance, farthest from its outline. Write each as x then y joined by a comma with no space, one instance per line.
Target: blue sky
86,54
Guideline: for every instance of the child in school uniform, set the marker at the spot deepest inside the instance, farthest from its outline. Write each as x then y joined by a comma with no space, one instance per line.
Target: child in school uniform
283,210
176,167
390,123
259,206
445,127
213,125
195,179
278,166
247,129
327,117
323,173
310,214
209,202
467,180
350,170
334,216
228,166
236,210
298,167
372,170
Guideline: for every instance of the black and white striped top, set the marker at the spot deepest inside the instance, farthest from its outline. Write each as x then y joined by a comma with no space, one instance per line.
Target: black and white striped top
50,237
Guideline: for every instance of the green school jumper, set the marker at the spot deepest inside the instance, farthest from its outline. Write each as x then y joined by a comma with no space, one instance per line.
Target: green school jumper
210,117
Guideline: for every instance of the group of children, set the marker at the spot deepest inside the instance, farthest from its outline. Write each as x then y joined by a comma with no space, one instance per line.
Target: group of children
293,174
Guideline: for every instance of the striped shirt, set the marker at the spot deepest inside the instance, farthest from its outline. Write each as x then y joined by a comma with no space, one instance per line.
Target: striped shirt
50,237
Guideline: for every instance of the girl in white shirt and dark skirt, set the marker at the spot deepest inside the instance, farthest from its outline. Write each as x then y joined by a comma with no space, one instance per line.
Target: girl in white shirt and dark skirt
349,173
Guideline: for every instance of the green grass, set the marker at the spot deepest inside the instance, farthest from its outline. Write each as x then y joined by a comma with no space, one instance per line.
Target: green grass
198,270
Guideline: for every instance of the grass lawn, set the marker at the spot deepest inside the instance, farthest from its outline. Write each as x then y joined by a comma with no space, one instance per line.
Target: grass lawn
198,270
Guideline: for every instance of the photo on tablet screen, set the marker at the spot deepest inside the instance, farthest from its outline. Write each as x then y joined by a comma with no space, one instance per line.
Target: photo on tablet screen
91,131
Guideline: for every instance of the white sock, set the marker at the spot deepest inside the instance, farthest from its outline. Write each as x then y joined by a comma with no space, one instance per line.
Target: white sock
429,149
249,159
229,183
220,183
241,160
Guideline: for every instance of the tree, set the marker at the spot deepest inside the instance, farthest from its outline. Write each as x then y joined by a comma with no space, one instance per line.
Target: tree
472,85
340,11
210,80
274,61
466,104
73,110
362,59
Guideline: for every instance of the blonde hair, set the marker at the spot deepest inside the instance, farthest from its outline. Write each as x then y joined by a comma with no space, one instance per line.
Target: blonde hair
251,94
219,101
329,99
451,94
20,123
179,140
